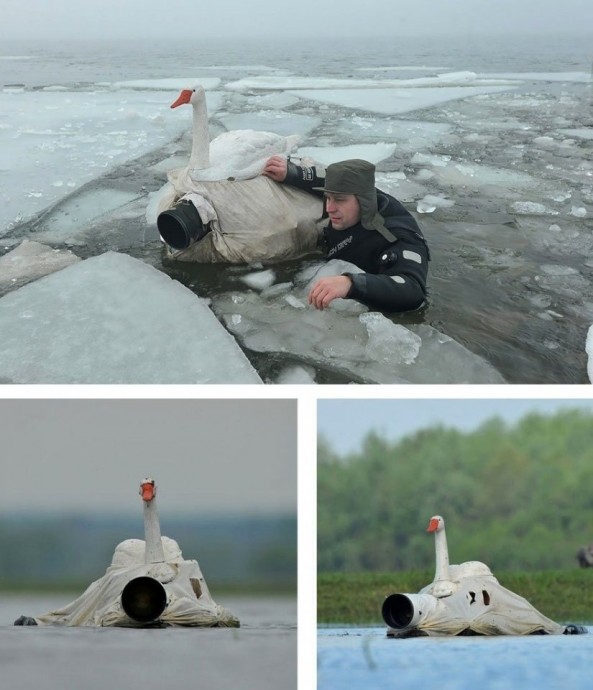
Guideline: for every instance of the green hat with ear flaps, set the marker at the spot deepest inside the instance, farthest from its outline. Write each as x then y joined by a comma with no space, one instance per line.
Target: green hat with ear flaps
356,176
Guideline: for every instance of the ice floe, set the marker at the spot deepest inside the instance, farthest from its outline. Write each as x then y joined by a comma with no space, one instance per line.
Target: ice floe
114,319
347,338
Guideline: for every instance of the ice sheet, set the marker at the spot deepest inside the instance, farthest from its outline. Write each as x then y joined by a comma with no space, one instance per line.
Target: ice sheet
31,260
332,154
540,76
347,338
395,101
270,121
580,133
53,142
275,83
114,319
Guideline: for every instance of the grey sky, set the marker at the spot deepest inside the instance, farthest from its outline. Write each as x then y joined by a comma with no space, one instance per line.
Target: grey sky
345,422
171,20
206,456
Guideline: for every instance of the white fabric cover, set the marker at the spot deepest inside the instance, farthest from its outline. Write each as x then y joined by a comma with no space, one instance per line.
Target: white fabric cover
479,604
256,220
189,602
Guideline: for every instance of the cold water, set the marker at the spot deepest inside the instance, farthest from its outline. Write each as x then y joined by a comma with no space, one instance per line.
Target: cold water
493,155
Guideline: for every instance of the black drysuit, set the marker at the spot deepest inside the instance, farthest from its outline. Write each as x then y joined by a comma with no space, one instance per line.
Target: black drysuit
394,278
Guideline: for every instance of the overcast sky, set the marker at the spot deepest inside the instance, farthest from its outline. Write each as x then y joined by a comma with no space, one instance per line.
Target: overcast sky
171,20
206,456
345,423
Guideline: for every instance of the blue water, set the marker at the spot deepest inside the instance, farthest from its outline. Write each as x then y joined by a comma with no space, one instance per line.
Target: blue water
364,659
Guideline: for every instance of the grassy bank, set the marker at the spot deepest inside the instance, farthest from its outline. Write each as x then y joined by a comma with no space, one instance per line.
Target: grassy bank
565,596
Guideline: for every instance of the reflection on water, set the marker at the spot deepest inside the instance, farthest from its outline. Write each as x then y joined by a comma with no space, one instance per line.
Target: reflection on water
364,659
262,654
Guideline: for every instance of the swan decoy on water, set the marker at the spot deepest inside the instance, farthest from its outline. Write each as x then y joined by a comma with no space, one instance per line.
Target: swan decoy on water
147,584
238,154
220,209
446,578
464,599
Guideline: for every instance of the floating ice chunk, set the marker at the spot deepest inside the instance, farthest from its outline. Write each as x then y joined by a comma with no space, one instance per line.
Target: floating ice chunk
31,260
429,159
582,133
562,196
556,270
589,351
540,76
296,375
276,101
259,280
431,202
367,347
388,101
75,214
295,302
281,123
424,206
80,134
532,208
282,83
546,142
326,155
114,319
390,343
400,187
578,211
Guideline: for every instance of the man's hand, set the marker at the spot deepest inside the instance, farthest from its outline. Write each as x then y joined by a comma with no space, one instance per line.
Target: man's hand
327,290
276,167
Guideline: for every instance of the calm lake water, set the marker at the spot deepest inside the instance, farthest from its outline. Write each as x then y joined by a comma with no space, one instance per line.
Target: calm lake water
363,658
261,655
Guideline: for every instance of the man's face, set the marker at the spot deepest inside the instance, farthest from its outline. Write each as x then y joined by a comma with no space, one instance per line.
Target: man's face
343,210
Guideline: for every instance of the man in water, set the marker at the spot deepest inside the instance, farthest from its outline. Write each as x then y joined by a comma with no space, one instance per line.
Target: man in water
368,228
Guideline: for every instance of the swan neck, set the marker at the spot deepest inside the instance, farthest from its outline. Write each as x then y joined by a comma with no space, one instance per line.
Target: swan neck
442,556
200,148
152,534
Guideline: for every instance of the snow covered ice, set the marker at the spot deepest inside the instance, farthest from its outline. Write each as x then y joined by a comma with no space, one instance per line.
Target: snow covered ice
488,160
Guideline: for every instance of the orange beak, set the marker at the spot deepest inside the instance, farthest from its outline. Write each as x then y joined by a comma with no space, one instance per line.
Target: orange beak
433,525
147,491
183,98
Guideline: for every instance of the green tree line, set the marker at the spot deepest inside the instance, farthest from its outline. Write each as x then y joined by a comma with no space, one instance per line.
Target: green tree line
517,497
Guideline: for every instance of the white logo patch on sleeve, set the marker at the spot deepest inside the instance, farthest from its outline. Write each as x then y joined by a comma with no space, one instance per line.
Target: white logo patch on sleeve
412,256
398,279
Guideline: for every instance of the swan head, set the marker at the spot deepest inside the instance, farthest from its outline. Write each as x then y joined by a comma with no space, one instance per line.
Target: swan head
436,524
189,96
147,490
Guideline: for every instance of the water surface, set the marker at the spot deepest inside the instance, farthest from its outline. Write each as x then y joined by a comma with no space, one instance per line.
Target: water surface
262,654
365,659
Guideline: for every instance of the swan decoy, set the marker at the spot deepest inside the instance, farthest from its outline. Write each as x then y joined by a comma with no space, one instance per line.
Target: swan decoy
147,584
446,578
152,530
464,599
239,154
